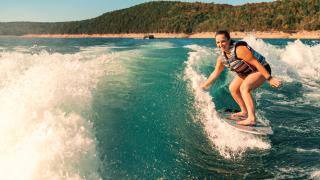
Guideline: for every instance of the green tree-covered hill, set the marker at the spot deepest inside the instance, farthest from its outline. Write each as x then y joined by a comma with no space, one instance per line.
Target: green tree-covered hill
168,16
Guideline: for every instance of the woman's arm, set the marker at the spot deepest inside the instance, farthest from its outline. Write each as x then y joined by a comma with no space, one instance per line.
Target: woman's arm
213,76
245,54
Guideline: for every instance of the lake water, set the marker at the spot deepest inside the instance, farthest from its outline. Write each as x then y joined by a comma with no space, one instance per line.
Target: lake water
133,109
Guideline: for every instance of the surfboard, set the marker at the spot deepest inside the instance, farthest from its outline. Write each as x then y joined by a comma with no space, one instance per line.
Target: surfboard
258,129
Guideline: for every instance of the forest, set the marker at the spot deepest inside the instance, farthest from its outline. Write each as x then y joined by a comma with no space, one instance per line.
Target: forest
184,17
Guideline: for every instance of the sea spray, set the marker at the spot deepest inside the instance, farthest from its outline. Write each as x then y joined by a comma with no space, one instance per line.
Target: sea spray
45,102
304,58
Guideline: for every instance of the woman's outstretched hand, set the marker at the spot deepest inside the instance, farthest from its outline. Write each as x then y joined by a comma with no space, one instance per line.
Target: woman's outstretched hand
274,82
205,86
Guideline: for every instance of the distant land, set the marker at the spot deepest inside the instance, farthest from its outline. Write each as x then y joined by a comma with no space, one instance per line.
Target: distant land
165,17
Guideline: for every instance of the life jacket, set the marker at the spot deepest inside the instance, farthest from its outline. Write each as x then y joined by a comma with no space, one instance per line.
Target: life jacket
238,65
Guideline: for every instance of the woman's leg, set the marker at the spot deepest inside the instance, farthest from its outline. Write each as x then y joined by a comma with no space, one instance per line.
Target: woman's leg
234,88
251,82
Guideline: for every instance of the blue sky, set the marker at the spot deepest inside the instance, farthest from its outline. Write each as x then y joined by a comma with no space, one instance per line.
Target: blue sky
68,10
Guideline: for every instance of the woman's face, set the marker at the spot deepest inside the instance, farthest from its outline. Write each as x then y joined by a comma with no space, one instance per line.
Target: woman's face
222,42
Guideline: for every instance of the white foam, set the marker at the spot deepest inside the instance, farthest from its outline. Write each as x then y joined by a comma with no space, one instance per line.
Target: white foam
308,150
159,45
21,49
229,142
98,50
305,59
315,175
296,173
45,101
289,172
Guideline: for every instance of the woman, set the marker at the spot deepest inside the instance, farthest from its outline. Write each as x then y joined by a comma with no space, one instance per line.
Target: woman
252,71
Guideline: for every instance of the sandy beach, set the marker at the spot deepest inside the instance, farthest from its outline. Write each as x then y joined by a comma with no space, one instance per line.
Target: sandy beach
264,35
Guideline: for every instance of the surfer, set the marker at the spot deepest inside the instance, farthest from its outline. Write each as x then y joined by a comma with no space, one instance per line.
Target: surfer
252,71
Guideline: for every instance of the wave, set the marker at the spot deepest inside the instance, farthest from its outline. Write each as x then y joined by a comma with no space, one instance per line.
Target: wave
303,58
45,126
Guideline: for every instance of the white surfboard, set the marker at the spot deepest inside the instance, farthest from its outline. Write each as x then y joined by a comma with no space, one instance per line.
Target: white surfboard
258,129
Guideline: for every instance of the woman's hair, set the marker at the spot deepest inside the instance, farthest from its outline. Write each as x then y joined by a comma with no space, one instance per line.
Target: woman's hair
224,32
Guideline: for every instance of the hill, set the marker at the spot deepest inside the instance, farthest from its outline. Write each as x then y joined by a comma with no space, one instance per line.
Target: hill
182,17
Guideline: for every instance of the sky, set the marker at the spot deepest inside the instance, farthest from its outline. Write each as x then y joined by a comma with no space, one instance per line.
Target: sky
74,10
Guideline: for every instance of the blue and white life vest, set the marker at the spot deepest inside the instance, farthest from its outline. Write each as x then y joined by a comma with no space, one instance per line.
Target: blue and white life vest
238,65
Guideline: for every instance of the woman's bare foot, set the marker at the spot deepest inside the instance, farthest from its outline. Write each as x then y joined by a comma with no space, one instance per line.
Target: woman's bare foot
239,114
247,122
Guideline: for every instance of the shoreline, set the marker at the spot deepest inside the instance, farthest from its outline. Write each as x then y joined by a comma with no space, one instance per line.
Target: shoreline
257,34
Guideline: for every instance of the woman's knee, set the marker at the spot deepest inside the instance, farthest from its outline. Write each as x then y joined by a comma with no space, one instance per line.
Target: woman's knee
234,89
244,88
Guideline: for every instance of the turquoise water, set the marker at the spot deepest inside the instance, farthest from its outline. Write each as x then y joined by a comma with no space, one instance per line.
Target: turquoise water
133,109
